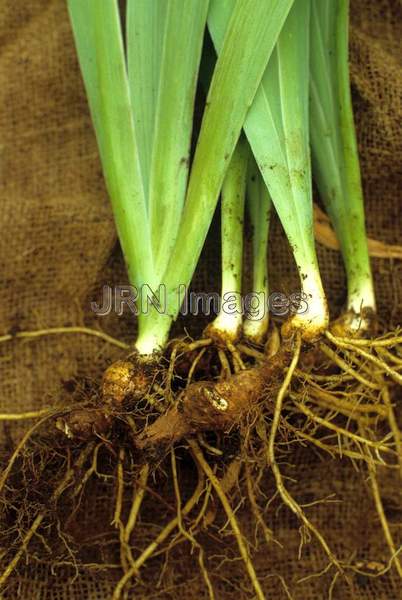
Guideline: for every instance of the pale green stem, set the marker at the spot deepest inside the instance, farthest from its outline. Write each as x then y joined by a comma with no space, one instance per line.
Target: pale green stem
334,147
259,203
229,320
360,281
153,331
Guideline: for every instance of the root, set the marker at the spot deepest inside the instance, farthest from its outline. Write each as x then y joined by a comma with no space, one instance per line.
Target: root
340,430
194,366
166,531
342,364
138,496
350,345
381,514
332,402
184,401
237,360
326,447
286,497
117,521
227,482
393,423
24,416
231,517
92,469
382,342
63,330
260,522
388,355
20,446
226,370
41,516
186,534
329,379
203,343
10,568
169,375
251,352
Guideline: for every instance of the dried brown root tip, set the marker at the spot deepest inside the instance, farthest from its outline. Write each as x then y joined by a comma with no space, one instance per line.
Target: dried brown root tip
352,324
221,337
131,378
209,406
84,423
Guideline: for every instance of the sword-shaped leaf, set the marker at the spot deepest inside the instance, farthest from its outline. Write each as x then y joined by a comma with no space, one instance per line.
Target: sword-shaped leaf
248,43
145,27
228,323
335,155
98,38
164,45
277,128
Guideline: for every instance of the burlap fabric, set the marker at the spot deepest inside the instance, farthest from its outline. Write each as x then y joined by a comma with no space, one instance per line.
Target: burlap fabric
58,247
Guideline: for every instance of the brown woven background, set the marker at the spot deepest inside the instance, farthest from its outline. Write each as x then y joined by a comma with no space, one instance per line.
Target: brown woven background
58,247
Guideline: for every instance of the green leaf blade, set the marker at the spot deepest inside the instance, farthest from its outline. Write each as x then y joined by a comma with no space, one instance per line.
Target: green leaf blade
185,26
334,147
146,23
164,51
277,128
250,38
98,39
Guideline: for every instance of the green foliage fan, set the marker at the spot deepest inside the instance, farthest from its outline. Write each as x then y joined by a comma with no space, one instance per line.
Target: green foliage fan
162,222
